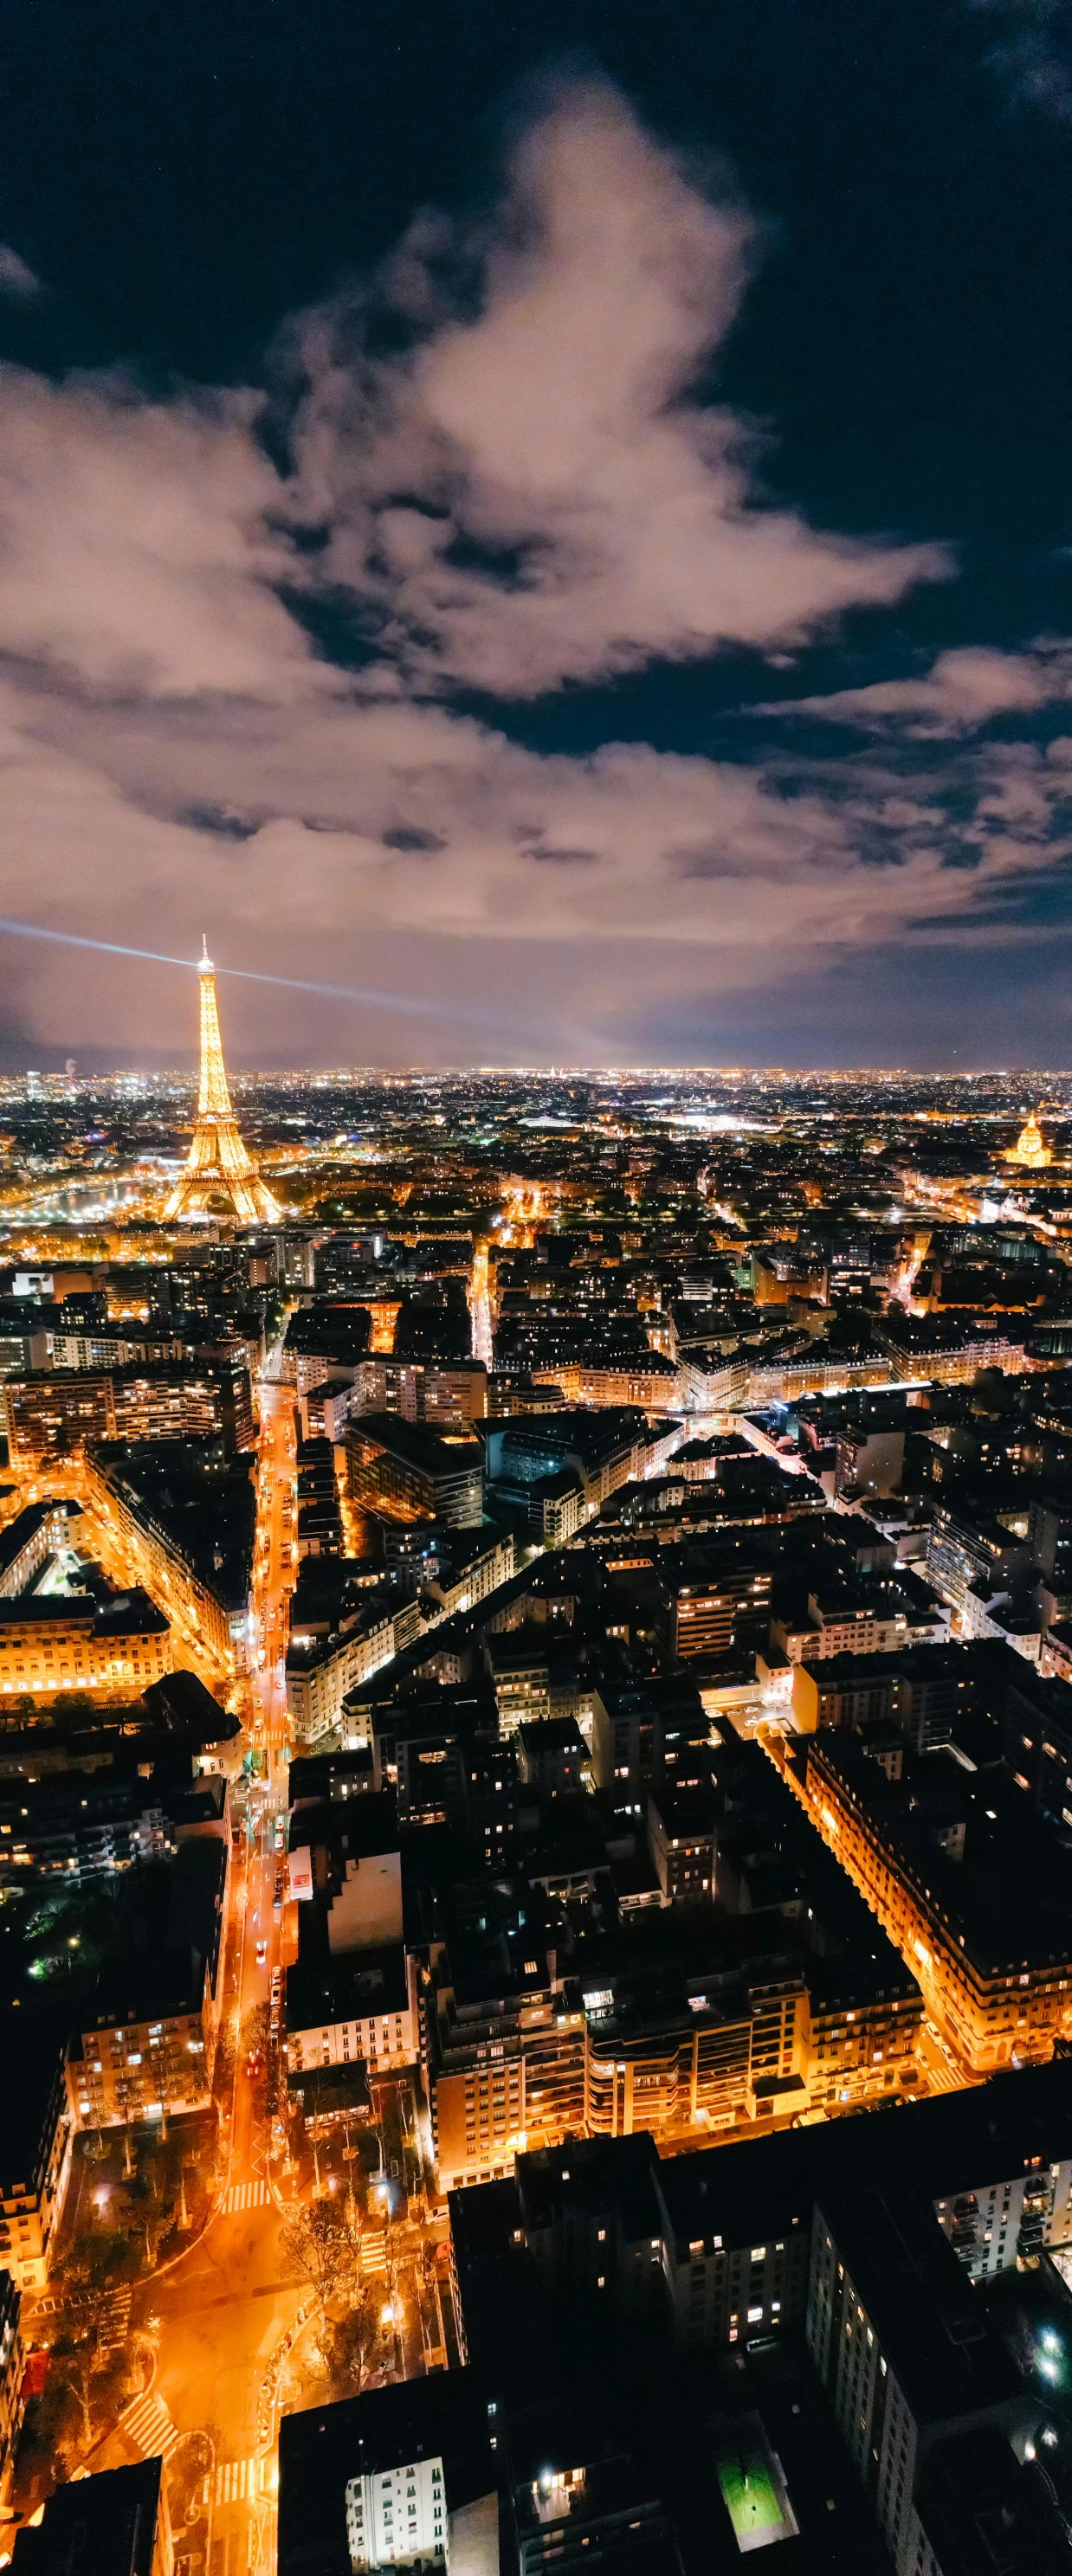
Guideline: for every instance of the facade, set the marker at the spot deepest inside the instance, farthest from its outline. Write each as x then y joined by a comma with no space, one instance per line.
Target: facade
651,1383
447,1394
528,1456
156,2058
12,2368
398,2518
999,1983
57,1413
404,2476
992,2225
504,2068
529,2068
469,1573
177,1570
734,2241
27,1544
903,2351
151,2050
681,1837
351,1997
640,1730
963,1551
207,1402
359,2006
881,1621
36,2134
518,1666
60,1412
414,1472
320,1675
704,1613
923,1693
81,1825
57,1642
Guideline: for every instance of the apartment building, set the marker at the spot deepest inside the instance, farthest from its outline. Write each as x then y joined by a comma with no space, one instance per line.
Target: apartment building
905,2350
186,1527
27,1544
322,1673
415,1472
151,2048
54,1413
55,1642
966,1879
447,1394
354,2007
36,2133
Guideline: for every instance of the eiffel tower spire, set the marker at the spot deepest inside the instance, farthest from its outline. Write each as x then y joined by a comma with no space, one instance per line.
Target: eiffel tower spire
218,1164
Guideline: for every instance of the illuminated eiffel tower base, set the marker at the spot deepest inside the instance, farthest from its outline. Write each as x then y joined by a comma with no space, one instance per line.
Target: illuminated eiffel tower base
218,1165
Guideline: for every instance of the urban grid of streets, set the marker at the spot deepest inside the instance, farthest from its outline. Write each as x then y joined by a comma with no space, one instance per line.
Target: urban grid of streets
228,2326
229,2322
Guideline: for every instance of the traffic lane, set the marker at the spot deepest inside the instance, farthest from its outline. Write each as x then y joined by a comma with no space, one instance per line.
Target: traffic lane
261,1937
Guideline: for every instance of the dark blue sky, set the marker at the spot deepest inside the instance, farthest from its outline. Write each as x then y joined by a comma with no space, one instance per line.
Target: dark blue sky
560,512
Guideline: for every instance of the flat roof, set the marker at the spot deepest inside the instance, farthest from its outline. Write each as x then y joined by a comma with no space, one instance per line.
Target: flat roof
443,2416
352,1987
925,2310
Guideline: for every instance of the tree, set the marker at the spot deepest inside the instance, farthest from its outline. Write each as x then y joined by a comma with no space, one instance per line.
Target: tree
97,2260
426,2286
356,2347
256,2029
223,2064
319,2242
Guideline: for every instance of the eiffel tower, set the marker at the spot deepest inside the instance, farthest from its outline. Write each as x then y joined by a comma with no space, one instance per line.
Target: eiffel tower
218,1164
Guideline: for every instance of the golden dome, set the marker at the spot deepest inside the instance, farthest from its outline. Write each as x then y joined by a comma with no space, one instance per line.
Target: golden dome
1030,1147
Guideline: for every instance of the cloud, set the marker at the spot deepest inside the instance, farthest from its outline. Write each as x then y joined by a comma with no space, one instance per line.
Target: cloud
534,492
16,279
1033,57
964,691
294,821
536,487
137,553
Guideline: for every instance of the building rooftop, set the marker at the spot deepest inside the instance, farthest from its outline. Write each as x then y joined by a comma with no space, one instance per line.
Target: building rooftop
987,2514
444,2416
120,1614
103,2525
349,1987
930,2322
1007,1892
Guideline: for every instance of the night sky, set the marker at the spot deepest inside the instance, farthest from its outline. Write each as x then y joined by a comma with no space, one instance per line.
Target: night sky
557,518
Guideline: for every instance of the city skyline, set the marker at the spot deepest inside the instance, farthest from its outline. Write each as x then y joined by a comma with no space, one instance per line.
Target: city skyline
561,528
536,1288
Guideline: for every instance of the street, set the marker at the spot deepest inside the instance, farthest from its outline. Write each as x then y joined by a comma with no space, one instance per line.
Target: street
223,2331
275,1565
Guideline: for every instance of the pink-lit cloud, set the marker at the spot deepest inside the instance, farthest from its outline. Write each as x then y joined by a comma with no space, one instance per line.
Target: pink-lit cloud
963,691
558,432
538,491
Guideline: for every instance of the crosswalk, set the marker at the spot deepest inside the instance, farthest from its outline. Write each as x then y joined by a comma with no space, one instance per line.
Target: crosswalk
241,2481
114,2320
149,2426
245,2195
